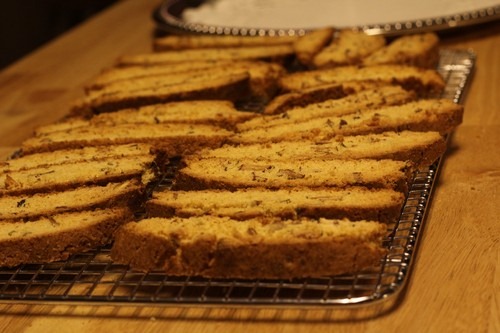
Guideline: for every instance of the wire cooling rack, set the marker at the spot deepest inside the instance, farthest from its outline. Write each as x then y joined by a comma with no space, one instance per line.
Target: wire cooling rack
93,277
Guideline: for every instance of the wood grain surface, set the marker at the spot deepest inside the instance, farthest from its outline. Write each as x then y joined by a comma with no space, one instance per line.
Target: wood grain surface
454,285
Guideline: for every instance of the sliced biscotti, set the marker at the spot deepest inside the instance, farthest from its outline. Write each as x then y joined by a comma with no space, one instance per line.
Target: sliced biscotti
29,207
273,52
348,48
63,176
263,78
217,113
421,50
422,148
223,173
426,82
284,102
439,115
355,203
262,248
173,139
182,42
74,155
222,86
57,237
354,103
307,46
116,74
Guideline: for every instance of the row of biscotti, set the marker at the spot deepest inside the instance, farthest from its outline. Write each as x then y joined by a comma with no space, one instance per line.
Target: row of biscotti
253,68
59,203
319,48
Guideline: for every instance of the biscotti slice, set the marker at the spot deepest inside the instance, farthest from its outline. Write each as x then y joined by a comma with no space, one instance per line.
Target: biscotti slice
72,175
181,42
273,52
307,46
222,173
284,102
348,48
426,82
29,207
421,50
422,148
439,115
217,113
216,247
62,125
74,155
263,78
173,139
355,203
116,74
232,87
355,103
57,237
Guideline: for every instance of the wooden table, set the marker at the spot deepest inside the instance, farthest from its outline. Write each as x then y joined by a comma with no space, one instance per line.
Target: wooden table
454,285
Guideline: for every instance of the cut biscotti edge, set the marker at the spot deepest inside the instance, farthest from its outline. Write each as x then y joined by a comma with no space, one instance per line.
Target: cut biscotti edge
422,148
355,203
182,42
29,207
307,46
439,115
286,101
64,156
421,50
57,237
232,87
347,48
426,82
276,53
253,249
368,99
230,174
172,139
63,176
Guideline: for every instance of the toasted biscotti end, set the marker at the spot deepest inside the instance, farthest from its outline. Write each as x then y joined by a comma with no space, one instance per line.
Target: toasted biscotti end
64,176
348,48
422,148
209,112
307,46
421,50
425,82
65,156
182,42
57,237
287,101
232,87
222,173
355,203
254,249
24,207
275,53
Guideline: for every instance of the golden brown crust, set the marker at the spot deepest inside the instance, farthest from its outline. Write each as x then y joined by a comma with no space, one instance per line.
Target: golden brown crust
307,46
355,203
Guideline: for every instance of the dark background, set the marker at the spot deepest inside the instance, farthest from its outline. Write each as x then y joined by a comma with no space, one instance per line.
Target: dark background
28,24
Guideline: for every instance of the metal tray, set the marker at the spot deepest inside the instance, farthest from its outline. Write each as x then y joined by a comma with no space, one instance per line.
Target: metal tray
93,277
168,18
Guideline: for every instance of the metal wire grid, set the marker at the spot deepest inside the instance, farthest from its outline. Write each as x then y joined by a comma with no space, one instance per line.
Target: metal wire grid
93,277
